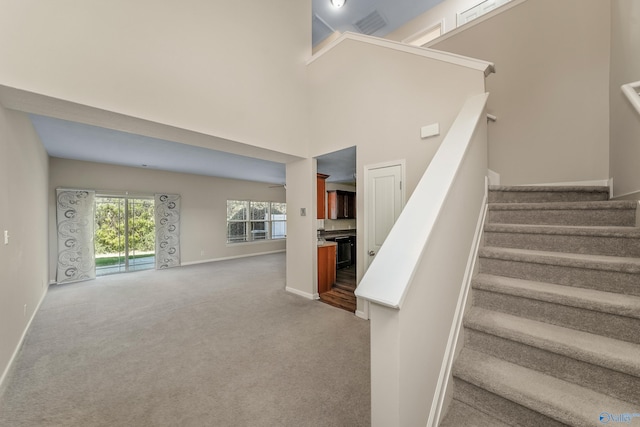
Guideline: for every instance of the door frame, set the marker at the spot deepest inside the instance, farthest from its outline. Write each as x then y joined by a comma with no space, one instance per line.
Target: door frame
366,190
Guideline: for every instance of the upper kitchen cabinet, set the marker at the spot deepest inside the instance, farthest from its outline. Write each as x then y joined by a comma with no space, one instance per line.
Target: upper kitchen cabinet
341,204
321,188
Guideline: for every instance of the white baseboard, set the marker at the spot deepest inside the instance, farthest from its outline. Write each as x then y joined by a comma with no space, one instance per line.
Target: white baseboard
301,293
437,404
362,315
204,261
494,177
20,342
634,195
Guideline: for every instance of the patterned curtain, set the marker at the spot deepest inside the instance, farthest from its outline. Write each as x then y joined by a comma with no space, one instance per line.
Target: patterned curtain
167,230
75,219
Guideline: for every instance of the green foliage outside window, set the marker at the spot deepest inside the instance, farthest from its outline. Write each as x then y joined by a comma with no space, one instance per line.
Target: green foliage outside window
110,226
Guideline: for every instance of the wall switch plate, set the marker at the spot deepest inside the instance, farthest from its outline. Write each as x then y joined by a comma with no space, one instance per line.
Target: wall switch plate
303,211
430,130
6,237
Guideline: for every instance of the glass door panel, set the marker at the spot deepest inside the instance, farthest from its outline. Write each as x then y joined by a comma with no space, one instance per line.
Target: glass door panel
141,234
125,235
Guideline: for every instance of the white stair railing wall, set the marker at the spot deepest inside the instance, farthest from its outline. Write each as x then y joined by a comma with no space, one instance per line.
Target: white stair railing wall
632,92
414,284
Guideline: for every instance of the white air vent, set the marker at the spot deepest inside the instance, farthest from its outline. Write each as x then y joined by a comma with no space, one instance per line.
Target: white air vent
370,23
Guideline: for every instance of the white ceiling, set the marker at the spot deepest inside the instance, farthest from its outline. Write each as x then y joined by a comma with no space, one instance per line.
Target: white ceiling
394,13
339,165
77,141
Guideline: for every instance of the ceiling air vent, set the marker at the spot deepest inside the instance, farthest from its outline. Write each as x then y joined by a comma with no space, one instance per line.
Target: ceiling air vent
370,23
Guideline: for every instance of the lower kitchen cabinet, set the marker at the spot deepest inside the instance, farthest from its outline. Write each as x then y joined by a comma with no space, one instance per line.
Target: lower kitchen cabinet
326,267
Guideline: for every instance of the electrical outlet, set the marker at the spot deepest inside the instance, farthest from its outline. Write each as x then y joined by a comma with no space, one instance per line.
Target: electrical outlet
6,237
201,253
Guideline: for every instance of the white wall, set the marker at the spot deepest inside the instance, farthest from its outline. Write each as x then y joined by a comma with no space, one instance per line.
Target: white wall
377,99
203,204
302,272
23,212
234,70
625,121
550,91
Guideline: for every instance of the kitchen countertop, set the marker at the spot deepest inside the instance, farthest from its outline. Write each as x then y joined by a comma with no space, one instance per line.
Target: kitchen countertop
326,244
339,233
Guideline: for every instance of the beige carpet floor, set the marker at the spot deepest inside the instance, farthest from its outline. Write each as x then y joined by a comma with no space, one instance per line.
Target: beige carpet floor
218,344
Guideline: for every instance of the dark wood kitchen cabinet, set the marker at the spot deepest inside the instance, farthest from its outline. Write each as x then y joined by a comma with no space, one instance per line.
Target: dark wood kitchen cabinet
320,189
341,204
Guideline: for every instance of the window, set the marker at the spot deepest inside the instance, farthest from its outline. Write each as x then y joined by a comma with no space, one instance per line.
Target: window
249,221
478,10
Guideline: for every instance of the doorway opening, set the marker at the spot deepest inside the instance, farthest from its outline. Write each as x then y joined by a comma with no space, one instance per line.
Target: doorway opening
337,228
124,234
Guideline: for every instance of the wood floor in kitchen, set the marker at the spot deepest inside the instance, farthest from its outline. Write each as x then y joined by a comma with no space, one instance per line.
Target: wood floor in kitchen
341,294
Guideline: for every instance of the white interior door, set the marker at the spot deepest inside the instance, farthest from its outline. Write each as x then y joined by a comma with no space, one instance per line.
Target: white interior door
384,202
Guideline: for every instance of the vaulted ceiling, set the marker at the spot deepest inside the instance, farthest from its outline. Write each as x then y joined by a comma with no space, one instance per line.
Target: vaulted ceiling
371,17
72,140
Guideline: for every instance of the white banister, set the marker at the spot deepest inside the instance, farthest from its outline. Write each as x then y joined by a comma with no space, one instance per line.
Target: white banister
632,91
447,57
415,282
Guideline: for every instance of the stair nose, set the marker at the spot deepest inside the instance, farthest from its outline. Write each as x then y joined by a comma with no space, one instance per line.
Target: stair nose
609,274
461,414
602,313
523,396
609,353
537,194
621,213
611,241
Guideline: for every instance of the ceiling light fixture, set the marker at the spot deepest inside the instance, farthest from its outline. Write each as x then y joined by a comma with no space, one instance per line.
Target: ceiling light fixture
338,3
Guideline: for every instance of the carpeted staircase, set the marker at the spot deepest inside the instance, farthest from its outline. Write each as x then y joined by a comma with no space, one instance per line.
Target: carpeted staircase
552,336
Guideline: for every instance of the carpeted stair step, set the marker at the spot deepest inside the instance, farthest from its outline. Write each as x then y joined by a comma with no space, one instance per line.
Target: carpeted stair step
525,397
553,334
461,414
604,313
592,361
537,194
612,241
621,213
605,273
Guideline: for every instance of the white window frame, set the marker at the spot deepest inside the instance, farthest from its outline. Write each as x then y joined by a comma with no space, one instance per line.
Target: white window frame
269,220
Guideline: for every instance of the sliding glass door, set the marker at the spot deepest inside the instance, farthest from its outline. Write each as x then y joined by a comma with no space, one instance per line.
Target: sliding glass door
125,234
